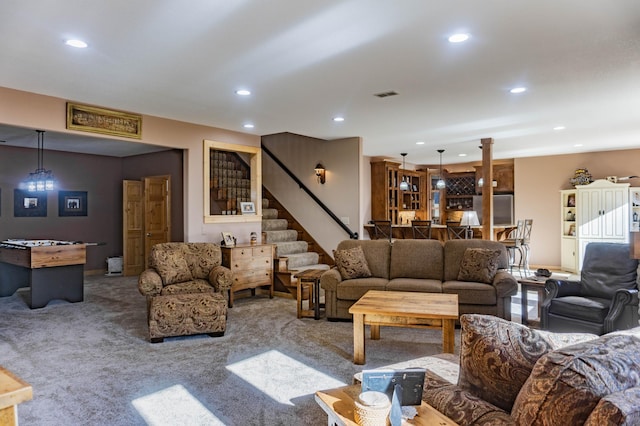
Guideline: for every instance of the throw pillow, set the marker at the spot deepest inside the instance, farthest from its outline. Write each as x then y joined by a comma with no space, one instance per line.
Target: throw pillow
172,267
351,263
497,356
479,265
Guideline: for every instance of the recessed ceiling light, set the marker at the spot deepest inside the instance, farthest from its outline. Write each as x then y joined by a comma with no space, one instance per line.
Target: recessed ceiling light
458,38
559,128
243,92
420,143
338,119
462,155
578,145
248,126
76,43
518,90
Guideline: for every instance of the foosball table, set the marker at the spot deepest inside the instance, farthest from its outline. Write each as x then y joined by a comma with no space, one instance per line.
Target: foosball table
53,269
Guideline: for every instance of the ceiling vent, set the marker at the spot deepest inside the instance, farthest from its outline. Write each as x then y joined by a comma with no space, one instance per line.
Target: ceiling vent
385,94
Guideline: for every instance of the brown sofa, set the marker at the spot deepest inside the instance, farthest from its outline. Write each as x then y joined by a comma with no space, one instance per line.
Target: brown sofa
512,375
186,290
421,266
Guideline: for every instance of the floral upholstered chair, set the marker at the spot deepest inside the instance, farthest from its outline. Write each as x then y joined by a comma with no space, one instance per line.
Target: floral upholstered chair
186,289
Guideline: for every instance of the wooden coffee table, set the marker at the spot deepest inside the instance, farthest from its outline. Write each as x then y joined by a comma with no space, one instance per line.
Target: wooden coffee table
339,406
403,309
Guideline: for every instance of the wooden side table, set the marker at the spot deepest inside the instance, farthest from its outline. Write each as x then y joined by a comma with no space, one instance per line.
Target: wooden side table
532,284
13,391
309,278
339,405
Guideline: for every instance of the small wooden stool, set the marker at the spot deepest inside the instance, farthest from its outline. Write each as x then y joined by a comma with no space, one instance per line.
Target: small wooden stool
310,279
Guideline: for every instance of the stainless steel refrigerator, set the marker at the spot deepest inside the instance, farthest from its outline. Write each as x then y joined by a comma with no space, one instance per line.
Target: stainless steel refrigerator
502,209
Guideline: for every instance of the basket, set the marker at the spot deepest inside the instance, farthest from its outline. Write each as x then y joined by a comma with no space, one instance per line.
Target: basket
372,409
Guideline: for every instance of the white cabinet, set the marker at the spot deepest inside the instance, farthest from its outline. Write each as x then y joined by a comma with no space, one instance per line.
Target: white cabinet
568,247
598,212
602,214
634,200
568,254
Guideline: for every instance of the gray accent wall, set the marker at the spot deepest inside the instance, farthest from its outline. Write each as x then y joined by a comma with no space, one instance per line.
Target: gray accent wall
101,177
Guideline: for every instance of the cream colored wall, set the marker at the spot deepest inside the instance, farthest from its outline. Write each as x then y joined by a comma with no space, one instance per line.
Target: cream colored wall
49,113
538,181
341,192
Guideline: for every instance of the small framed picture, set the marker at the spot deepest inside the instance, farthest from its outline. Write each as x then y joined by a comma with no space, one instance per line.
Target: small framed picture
248,208
227,239
571,200
29,204
72,203
572,230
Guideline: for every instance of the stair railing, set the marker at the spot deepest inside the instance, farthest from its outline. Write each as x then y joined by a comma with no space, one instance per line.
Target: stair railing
352,235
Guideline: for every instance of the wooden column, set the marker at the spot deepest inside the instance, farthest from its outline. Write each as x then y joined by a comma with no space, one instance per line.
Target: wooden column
487,188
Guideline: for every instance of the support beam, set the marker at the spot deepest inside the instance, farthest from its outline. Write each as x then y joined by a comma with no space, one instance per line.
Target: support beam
487,188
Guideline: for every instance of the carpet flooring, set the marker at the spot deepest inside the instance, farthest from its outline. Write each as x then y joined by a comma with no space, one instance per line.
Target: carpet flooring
90,363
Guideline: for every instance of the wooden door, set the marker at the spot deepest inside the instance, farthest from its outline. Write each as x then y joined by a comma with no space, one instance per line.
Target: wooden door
157,212
146,220
132,228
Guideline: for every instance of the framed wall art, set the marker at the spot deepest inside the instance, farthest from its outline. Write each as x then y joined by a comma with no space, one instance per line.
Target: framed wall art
72,203
100,120
29,204
227,239
248,207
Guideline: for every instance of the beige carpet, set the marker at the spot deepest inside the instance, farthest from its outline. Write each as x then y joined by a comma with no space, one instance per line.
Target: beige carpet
90,363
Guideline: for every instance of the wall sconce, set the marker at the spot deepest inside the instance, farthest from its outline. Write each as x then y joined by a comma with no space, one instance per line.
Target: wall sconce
320,173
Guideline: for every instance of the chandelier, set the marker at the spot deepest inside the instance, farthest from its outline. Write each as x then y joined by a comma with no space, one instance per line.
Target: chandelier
41,179
440,184
404,185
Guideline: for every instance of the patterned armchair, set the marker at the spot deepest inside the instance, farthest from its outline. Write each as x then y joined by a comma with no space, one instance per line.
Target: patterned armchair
186,289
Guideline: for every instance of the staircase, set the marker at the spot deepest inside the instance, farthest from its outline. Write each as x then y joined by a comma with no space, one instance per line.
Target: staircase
296,250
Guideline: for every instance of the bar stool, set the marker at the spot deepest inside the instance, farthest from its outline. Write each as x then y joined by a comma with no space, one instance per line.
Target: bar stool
513,243
382,229
526,239
421,229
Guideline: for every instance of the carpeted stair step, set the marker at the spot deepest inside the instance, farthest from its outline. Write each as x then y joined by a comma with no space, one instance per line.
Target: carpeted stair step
272,237
312,266
268,213
274,224
302,260
286,248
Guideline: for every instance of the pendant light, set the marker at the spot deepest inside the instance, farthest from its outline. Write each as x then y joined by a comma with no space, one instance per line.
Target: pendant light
404,185
440,184
41,179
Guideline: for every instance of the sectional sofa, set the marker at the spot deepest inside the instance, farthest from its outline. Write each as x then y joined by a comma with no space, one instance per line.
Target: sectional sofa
512,375
423,266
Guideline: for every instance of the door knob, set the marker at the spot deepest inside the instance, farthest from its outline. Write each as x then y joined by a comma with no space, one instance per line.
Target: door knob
148,234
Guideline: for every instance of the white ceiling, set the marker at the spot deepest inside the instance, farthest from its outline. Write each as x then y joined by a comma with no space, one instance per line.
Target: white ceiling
308,61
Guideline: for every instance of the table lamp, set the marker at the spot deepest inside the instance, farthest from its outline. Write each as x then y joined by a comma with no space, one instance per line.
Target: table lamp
469,219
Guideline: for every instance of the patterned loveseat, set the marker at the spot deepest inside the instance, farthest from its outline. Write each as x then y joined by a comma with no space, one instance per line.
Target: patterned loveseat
512,375
186,290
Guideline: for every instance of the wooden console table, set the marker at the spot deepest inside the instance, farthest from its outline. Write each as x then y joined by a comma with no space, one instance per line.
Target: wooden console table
252,266
13,391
